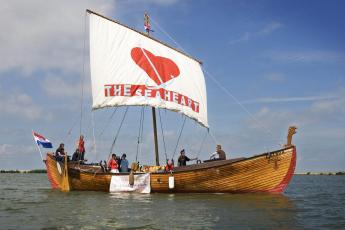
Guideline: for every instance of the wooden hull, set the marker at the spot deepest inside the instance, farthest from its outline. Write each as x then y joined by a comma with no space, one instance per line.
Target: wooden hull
269,172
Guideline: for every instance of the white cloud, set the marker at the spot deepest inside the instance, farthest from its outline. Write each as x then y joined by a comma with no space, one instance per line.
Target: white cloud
7,149
324,110
330,106
160,2
20,105
272,120
269,125
12,155
275,77
305,56
289,99
265,31
269,28
59,87
44,35
245,37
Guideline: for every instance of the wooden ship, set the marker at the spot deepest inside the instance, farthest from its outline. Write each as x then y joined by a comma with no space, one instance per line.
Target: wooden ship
151,66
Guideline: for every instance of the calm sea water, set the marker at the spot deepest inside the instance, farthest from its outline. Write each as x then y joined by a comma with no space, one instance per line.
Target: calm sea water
310,202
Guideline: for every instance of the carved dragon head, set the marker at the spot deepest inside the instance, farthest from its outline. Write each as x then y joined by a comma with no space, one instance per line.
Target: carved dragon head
291,132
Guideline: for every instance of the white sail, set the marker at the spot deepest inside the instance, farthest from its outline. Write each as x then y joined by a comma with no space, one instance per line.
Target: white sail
129,68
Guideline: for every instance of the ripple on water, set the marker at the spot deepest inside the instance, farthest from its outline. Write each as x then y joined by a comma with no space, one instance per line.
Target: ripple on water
15,209
308,203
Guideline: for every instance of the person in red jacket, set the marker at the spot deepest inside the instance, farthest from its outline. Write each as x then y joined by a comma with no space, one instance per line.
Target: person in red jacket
170,166
112,164
81,147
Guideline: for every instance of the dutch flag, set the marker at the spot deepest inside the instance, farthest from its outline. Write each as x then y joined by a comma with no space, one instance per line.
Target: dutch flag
41,140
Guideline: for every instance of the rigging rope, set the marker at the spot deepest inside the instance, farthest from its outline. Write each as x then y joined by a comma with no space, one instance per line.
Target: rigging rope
179,136
107,124
167,34
142,130
202,143
268,131
69,132
160,120
82,77
213,137
141,126
118,132
93,134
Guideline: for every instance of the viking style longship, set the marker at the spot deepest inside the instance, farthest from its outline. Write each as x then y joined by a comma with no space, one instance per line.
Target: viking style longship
130,68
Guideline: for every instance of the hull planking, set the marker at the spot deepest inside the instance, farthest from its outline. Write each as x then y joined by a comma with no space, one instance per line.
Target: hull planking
269,172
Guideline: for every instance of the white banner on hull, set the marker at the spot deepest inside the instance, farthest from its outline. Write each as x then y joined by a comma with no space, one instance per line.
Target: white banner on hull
120,183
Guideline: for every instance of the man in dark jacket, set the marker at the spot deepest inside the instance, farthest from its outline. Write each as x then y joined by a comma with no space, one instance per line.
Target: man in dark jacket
182,160
60,152
76,155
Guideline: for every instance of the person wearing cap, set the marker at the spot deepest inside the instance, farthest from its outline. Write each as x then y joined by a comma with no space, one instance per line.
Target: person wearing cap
221,154
182,160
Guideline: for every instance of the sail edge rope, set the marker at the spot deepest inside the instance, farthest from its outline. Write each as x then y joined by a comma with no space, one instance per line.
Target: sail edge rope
223,88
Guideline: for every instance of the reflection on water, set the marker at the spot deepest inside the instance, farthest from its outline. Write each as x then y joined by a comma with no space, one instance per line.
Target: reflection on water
26,201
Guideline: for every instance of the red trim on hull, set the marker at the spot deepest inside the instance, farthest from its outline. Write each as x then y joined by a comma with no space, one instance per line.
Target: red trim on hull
284,183
53,183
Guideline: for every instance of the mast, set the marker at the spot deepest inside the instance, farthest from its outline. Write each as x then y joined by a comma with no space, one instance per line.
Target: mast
148,28
155,134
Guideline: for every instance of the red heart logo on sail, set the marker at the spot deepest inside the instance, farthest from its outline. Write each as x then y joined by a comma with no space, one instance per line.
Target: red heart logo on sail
159,69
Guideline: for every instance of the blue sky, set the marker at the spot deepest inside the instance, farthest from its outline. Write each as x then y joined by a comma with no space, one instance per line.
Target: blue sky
282,60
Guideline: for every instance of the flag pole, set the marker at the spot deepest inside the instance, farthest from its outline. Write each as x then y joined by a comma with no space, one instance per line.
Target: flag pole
37,145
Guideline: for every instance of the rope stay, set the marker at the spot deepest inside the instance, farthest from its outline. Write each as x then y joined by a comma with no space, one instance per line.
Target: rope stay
202,143
160,120
168,35
267,130
118,132
82,78
69,132
93,134
142,130
140,134
213,137
107,124
179,136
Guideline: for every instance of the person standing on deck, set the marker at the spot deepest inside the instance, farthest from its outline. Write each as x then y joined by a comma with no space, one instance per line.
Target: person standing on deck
118,160
182,160
112,164
124,163
221,154
81,147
